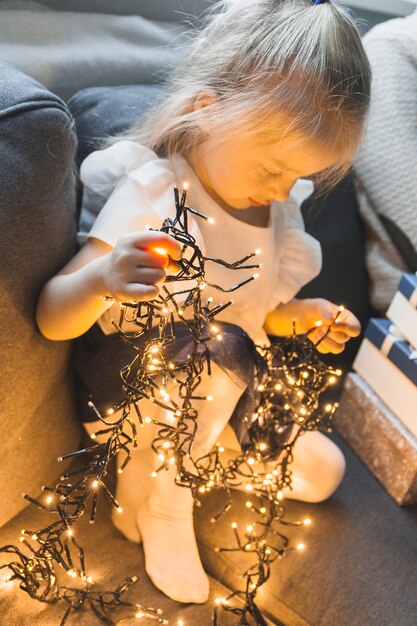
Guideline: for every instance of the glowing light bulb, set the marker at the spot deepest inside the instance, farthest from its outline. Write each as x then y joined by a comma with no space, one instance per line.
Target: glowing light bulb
256,276
110,411
280,495
34,537
120,471
154,474
278,387
249,528
262,510
249,504
300,546
49,499
90,580
148,420
338,372
210,398
70,532
332,380
161,251
251,461
307,521
258,251
161,457
249,487
233,525
318,323
95,484
93,435
328,407
119,509
211,220
262,446
261,387
154,349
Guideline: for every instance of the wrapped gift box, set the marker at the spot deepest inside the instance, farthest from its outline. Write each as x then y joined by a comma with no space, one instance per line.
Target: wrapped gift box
389,366
379,439
403,309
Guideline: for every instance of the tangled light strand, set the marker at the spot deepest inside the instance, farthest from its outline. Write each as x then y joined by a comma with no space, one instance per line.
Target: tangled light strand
288,390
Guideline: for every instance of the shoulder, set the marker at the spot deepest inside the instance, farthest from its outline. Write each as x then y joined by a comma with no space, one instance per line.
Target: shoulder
110,164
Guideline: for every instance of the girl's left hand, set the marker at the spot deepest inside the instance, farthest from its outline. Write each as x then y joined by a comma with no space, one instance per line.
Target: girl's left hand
344,328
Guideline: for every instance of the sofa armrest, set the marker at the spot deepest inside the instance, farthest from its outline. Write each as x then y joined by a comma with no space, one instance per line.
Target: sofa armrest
37,237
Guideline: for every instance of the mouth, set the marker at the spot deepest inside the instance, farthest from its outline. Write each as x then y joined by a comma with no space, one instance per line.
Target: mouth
255,203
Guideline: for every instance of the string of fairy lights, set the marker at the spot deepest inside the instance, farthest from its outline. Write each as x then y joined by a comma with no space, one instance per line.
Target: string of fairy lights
289,380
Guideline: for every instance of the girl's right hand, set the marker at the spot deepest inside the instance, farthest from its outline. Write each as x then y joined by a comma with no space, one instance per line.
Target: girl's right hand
137,264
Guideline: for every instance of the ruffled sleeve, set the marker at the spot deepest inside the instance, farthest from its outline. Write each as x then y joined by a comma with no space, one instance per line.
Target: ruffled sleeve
138,191
299,257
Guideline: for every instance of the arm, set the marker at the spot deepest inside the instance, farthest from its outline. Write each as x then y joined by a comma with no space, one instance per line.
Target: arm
71,301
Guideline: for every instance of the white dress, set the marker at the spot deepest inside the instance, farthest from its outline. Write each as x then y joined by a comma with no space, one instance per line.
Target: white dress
139,186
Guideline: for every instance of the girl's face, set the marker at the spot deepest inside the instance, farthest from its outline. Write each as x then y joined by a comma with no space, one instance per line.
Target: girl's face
246,170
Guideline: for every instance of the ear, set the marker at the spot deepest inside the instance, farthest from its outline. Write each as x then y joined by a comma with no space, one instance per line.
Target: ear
205,101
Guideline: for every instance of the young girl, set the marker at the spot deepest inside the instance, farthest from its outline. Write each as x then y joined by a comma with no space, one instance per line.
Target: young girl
271,93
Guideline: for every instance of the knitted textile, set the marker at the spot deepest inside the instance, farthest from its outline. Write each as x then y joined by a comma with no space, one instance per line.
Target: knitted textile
387,162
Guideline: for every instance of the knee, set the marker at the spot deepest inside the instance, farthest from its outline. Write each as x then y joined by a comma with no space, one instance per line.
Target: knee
329,474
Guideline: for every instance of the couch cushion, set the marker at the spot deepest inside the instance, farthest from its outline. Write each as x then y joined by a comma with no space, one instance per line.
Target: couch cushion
37,237
359,566
69,51
109,559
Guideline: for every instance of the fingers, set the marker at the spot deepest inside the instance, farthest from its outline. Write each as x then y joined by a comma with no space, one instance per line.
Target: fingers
333,342
140,292
160,244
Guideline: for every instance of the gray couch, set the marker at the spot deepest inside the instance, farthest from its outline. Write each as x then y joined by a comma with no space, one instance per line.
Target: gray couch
360,564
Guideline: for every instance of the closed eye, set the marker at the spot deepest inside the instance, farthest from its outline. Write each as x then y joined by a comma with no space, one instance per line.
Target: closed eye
269,172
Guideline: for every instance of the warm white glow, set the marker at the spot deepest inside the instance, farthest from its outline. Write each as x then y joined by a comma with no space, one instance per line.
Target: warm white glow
300,546
258,251
255,276
318,323
161,251
211,220
307,522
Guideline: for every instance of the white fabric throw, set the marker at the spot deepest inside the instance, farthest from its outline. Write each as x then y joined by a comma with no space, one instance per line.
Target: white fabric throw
387,162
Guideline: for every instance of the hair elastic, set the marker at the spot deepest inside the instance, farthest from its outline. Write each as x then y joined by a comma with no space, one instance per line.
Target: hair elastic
320,1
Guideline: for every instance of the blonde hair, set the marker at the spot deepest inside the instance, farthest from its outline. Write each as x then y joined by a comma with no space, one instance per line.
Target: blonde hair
302,61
